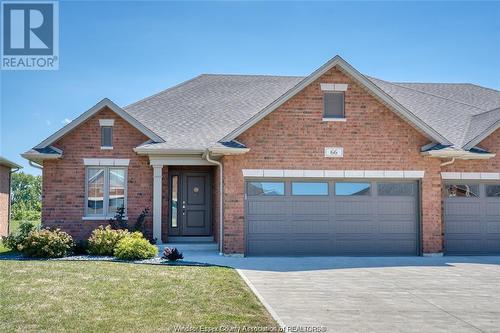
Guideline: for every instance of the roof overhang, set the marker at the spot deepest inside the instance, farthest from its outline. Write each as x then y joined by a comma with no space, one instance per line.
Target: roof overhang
93,110
38,155
371,87
458,154
215,151
9,164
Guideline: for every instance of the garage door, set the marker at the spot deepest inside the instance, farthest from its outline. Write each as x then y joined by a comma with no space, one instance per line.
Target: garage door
303,217
472,218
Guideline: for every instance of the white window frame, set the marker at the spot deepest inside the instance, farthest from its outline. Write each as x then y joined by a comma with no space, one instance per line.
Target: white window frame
106,214
107,123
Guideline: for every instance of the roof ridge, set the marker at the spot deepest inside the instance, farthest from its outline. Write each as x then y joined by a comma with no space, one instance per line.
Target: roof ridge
430,94
266,75
487,111
162,91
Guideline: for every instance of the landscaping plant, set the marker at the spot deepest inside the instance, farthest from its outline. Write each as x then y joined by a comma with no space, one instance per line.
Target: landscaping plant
16,239
104,239
139,224
119,221
47,243
135,247
172,254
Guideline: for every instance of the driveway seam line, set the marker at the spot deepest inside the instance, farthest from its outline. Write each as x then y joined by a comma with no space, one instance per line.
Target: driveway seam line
268,306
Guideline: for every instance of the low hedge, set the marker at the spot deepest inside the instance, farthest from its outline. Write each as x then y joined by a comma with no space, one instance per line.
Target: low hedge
135,247
104,240
47,243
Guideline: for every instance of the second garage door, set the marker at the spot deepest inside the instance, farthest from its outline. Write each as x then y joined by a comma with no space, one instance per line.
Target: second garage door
472,218
304,217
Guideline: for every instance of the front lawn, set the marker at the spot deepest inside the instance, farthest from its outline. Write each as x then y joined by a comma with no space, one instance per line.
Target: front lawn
108,296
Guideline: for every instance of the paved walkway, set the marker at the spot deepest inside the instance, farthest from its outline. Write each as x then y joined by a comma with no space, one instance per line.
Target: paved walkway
376,294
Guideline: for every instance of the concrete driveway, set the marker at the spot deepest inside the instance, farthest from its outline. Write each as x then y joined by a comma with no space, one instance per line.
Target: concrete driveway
352,294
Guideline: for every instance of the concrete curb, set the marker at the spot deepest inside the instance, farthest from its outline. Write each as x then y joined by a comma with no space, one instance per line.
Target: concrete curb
261,299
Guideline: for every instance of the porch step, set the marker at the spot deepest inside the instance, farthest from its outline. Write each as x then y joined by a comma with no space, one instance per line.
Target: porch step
191,246
192,239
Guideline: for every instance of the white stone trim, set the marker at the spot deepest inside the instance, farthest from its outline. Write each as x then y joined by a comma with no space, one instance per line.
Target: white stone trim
334,119
334,86
106,161
106,148
293,173
470,175
106,122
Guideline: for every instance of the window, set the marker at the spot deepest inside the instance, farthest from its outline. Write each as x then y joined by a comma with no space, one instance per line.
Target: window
352,189
105,191
462,190
493,191
301,188
333,105
265,188
107,136
174,201
396,189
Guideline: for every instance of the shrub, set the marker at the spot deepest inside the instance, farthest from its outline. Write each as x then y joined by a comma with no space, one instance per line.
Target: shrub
81,247
47,243
103,240
16,239
135,247
139,224
172,254
119,221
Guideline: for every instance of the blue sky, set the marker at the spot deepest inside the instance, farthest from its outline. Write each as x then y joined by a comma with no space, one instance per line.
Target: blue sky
128,50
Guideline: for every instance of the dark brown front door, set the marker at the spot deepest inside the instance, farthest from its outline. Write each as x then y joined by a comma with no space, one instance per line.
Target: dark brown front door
190,204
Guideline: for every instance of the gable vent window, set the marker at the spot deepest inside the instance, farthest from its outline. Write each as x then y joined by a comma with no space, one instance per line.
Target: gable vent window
333,105
106,133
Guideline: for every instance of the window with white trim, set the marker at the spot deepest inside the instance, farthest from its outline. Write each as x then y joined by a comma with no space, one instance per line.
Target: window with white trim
105,191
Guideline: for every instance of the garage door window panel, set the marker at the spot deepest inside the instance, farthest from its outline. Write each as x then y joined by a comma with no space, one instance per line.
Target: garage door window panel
493,191
396,189
352,189
310,189
462,190
266,189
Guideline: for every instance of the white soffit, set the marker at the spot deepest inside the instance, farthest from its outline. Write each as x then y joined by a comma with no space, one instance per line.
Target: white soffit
290,173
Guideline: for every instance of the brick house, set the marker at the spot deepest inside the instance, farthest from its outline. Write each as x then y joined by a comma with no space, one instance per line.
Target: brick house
6,169
335,163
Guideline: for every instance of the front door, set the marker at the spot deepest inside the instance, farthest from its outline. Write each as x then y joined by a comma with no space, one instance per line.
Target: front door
190,204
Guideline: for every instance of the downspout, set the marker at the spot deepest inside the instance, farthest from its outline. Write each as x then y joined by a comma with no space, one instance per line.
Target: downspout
9,208
221,200
448,162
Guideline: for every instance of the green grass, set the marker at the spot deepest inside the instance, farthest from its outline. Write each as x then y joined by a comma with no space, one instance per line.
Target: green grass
119,297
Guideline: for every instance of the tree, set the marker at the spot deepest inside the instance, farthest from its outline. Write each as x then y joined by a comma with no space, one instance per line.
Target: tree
26,196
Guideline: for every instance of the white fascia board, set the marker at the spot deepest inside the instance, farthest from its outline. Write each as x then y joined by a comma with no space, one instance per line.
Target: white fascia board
9,164
93,110
216,151
357,76
460,154
179,159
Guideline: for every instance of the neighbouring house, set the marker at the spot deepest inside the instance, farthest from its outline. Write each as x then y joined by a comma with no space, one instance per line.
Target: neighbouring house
334,163
6,169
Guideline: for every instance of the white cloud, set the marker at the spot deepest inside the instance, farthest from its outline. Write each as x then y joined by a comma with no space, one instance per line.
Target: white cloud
66,121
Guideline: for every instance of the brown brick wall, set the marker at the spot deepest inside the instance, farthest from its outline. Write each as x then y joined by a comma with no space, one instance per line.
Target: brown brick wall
4,199
63,191
294,137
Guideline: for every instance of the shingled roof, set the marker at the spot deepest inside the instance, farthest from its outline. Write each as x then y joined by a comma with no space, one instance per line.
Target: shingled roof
211,110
